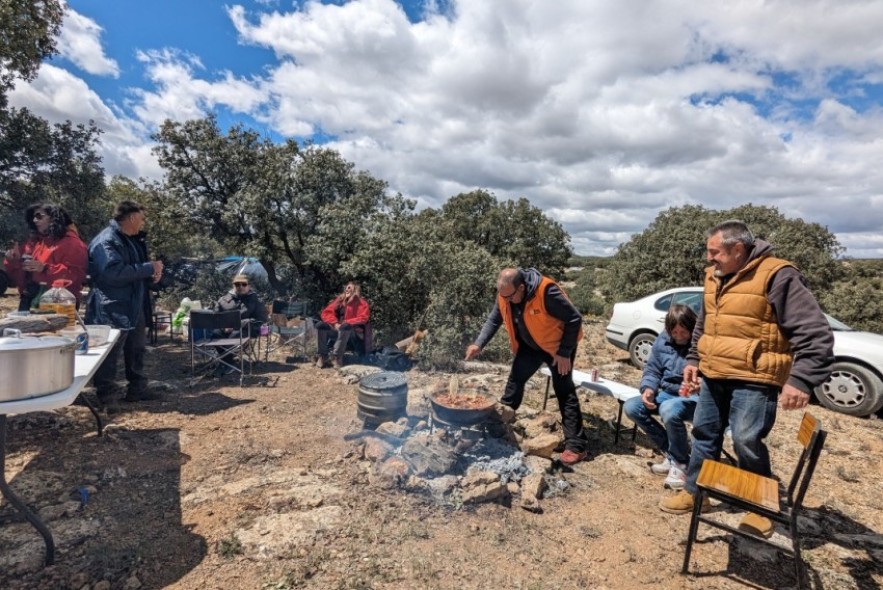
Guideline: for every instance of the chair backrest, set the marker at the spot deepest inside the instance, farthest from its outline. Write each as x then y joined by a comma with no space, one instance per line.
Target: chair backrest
206,319
291,309
812,438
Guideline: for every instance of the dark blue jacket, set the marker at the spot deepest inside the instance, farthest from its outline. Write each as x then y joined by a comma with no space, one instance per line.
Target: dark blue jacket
664,370
121,274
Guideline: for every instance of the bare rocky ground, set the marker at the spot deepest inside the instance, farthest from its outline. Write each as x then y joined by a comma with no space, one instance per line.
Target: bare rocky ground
226,487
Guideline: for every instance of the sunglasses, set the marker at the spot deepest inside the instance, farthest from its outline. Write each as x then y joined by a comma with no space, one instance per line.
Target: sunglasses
240,284
39,215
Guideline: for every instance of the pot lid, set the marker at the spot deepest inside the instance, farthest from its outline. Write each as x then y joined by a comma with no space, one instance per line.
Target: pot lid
33,342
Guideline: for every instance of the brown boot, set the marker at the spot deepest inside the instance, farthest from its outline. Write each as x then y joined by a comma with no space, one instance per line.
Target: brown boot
321,361
680,503
756,525
337,361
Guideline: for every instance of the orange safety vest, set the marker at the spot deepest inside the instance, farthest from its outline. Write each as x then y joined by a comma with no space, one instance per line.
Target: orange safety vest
545,329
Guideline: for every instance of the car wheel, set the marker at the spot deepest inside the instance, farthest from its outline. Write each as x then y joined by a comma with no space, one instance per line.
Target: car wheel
851,389
639,348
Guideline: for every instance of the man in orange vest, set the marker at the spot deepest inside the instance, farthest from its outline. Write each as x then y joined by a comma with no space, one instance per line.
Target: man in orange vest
543,327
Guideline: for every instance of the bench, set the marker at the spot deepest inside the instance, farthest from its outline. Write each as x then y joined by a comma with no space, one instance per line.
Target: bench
618,391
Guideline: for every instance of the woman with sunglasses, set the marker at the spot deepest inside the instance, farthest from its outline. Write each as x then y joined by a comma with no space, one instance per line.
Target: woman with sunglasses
52,251
248,303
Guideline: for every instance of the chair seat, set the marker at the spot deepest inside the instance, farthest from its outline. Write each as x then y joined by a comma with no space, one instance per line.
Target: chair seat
739,484
221,342
285,330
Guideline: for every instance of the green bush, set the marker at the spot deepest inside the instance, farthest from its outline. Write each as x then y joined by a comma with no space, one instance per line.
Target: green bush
459,304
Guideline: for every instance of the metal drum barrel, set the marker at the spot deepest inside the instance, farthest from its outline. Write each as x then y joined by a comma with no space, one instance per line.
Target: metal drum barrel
383,397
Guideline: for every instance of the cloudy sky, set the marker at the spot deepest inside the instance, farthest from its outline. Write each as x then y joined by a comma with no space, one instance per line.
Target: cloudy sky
602,113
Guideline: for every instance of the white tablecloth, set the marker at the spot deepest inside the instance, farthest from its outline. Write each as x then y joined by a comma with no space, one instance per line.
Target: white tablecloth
85,366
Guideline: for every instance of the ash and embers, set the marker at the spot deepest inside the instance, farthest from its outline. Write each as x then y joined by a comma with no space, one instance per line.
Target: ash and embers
507,459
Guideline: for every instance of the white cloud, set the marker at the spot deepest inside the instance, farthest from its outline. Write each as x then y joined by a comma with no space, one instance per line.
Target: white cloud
602,114
79,41
59,96
179,95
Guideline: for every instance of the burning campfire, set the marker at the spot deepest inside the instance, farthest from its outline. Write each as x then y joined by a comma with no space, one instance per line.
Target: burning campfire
458,446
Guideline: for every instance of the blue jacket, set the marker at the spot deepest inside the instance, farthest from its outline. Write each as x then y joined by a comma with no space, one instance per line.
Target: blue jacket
121,274
664,370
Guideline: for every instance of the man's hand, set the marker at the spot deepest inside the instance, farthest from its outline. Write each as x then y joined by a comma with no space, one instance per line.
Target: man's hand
472,351
792,398
157,270
562,363
691,378
648,396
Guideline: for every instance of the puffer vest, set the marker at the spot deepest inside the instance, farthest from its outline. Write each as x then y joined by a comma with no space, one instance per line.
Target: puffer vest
545,330
741,337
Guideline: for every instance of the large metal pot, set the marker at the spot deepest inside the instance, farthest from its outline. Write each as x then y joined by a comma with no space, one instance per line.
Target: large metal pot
462,416
383,397
32,366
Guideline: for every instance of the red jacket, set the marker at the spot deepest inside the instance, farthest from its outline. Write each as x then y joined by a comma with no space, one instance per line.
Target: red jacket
65,258
354,312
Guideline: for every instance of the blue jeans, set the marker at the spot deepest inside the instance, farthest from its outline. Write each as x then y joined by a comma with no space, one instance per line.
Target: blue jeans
674,411
750,411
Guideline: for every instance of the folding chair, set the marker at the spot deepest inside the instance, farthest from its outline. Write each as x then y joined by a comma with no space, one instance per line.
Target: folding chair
203,323
749,491
291,327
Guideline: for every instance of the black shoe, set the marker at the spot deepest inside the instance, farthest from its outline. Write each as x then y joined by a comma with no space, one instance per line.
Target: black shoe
109,405
222,370
144,396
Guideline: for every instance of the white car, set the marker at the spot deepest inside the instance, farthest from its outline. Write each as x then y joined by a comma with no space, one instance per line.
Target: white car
856,383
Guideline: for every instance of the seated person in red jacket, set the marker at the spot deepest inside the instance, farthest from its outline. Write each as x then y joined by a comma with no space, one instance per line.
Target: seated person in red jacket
52,251
345,316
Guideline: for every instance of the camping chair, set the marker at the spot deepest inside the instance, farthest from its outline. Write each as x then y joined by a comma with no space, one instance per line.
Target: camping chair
749,491
291,327
203,323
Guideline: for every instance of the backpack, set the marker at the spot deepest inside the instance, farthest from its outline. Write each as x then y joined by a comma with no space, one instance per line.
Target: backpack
390,358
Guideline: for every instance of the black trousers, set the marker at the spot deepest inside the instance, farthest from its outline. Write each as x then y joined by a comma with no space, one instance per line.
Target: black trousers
131,345
527,362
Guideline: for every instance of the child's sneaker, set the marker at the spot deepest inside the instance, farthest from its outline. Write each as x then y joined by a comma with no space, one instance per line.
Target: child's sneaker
663,467
677,477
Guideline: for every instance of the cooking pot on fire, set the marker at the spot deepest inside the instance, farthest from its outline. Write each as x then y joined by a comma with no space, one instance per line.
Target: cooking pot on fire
32,366
462,409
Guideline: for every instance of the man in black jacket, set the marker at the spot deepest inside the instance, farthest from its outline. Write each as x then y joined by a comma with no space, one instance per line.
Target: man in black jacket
121,273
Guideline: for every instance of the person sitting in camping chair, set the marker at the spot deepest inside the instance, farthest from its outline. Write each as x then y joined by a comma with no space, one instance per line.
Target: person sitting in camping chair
343,318
250,306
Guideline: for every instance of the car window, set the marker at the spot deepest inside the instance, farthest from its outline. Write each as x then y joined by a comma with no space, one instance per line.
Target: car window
837,325
663,303
691,299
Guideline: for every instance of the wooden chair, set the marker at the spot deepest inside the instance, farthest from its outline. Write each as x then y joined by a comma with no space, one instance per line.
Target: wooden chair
751,492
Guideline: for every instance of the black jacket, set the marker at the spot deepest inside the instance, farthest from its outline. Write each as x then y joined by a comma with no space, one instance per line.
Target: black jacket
120,274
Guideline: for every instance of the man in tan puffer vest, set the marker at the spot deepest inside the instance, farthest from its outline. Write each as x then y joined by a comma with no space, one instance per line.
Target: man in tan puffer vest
761,341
